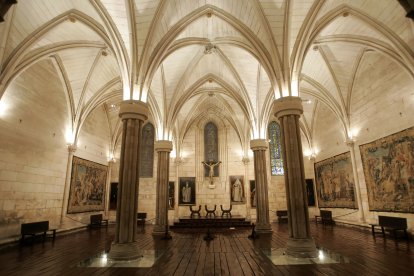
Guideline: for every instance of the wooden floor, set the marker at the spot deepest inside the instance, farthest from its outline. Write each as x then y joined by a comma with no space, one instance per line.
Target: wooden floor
230,253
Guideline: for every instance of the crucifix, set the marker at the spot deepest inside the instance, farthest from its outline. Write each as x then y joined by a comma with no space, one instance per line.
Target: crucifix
211,166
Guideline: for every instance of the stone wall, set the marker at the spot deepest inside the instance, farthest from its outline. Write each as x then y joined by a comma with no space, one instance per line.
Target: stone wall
33,151
382,103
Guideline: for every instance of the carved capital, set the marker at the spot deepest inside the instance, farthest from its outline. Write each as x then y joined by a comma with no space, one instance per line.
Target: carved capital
163,145
72,148
132,109
288,106
350,142
259,144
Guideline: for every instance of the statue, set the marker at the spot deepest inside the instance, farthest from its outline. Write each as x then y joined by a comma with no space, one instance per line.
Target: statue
211,166
186,193
237,191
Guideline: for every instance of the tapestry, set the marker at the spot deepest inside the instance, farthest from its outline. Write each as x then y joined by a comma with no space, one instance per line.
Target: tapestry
171,195
253,197
388,165
87,186
186,191
237,195
335,182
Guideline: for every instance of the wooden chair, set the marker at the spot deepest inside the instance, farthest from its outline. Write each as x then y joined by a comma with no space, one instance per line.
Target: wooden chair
282,215
210,212
97,221
226,212
195,212
141,217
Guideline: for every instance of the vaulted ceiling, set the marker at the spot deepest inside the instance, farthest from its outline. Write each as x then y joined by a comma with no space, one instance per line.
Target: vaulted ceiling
228,58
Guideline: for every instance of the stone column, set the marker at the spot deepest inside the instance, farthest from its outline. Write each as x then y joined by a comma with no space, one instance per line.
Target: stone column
133,114
351,145
163,147
300,243
259,147
71,151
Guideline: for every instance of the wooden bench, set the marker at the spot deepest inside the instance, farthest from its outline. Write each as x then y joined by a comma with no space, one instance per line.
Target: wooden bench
282,215
97,221
391,224
325,217
36,228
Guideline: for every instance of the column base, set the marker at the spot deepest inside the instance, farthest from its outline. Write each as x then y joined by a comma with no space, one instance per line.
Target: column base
301,248
124,251
264,228
158,230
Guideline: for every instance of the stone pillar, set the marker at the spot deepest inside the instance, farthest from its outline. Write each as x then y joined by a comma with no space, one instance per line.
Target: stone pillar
71,151
259,147
163,148
351,145
300,243
133,114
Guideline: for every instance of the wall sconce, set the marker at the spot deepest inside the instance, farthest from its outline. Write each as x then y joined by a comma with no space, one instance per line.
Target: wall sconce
111,158
311,153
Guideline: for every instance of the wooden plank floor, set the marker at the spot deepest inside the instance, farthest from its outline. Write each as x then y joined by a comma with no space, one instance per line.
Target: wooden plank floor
230,253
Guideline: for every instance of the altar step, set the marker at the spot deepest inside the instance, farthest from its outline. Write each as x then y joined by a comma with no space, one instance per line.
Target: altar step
217,222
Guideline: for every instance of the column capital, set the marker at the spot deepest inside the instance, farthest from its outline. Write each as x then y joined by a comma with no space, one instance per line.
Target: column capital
287,106
163,145
259,144
72,148
350,142
132,109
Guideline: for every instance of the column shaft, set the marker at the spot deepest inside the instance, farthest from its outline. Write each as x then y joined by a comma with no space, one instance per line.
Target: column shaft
300,243
163,172
259,147
132,113
351,145
71,151
127,204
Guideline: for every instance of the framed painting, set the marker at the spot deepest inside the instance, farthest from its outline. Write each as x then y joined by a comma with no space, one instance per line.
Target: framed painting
388,165
237,195
87,186
335,182
171,195
253,197
186,191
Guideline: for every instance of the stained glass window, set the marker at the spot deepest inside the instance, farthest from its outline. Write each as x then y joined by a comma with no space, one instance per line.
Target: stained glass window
275,149
147,151
211,147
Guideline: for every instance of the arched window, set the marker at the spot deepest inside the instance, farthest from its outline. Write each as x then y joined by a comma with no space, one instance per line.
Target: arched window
147,151
275,149
211,147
